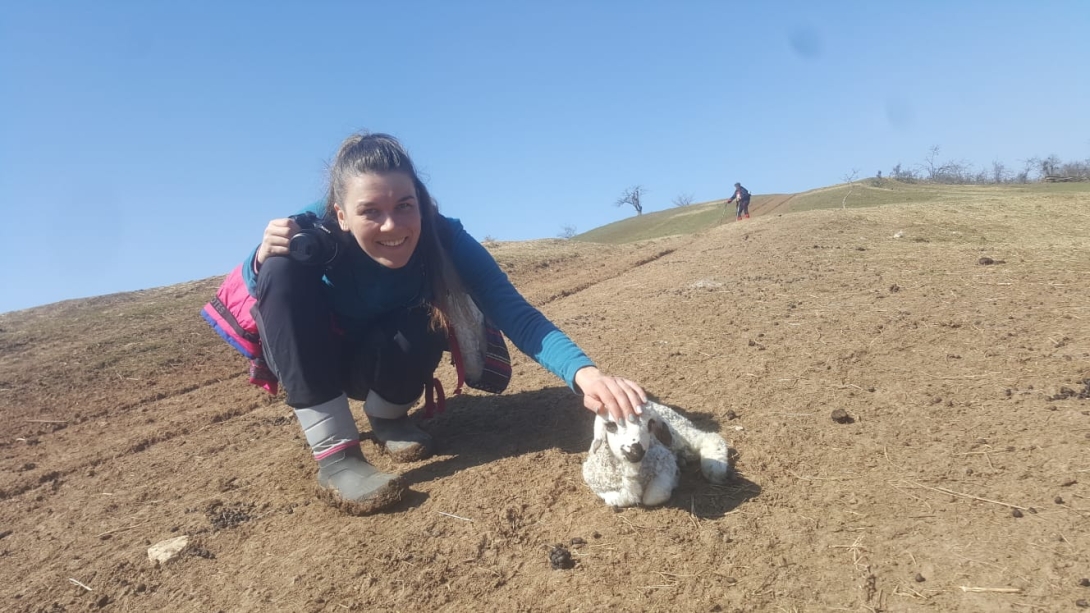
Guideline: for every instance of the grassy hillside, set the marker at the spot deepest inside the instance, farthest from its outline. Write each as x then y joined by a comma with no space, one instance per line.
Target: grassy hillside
697,217
679,220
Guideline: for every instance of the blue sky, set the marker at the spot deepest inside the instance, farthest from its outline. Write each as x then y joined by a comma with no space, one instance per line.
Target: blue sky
144,144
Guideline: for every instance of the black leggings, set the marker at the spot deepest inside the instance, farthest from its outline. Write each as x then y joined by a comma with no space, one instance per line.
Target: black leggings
395,357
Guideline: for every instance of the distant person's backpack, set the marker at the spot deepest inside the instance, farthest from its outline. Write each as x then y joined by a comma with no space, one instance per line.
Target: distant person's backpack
743,193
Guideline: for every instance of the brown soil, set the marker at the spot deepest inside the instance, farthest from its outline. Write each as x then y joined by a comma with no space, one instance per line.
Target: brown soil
127,422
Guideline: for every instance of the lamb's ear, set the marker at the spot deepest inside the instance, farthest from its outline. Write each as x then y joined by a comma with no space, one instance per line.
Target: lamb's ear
595,444
661,431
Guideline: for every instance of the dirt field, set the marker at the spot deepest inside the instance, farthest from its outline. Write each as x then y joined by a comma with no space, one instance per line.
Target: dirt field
959,350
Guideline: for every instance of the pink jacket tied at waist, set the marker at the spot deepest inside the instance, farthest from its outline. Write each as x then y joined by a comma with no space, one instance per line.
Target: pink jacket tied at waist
230,313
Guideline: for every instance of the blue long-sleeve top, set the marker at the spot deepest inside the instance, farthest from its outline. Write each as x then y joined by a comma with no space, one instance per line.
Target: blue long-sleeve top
361,290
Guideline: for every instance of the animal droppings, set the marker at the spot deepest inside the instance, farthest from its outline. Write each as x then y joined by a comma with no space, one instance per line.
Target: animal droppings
560,558
841,416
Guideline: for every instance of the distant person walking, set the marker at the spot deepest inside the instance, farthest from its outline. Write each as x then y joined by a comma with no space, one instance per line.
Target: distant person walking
741,194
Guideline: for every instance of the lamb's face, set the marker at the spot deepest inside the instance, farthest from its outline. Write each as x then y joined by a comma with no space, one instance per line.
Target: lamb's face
626,440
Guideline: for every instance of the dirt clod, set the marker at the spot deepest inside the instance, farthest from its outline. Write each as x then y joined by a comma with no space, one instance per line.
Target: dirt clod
1082,603
1085,582
731,415
1016,513
578,541
1066,392
560,558
841,416
920,578
222,516
1058,500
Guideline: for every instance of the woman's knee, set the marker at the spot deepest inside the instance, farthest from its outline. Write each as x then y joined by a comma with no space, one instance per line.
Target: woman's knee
282,277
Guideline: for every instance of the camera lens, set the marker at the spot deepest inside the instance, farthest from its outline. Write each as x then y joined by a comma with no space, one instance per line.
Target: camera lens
314,247
306,248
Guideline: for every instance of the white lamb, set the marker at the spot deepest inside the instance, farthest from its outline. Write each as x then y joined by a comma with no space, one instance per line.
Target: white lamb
639,462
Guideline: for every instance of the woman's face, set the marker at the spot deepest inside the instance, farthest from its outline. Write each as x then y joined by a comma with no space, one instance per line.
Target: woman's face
381,211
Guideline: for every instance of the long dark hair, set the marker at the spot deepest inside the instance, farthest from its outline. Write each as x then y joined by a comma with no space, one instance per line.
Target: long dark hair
366,152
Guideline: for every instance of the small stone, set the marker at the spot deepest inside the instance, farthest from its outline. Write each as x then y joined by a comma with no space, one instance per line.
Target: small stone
1016,513
1082,604
164,551
731,415
1058,500
1032,510
1084,582
841,416
920,578
578,541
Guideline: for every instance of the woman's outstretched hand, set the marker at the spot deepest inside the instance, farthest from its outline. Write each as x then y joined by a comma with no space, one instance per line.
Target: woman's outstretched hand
610,395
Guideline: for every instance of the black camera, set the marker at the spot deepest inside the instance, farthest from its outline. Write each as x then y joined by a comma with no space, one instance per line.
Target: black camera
315,244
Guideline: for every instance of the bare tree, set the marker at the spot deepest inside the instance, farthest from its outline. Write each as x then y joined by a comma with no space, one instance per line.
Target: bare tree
850,180
904,175
1029,166
632,196
931,162
566,232
1078,170
683,200
999,172
1049,165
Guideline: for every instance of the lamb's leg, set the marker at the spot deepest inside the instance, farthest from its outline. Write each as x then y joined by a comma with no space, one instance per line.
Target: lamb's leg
620,498
663,465
715,458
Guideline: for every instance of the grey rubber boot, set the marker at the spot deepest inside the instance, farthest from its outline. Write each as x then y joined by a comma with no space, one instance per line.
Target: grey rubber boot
345,479
390,423
348,482
403,439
